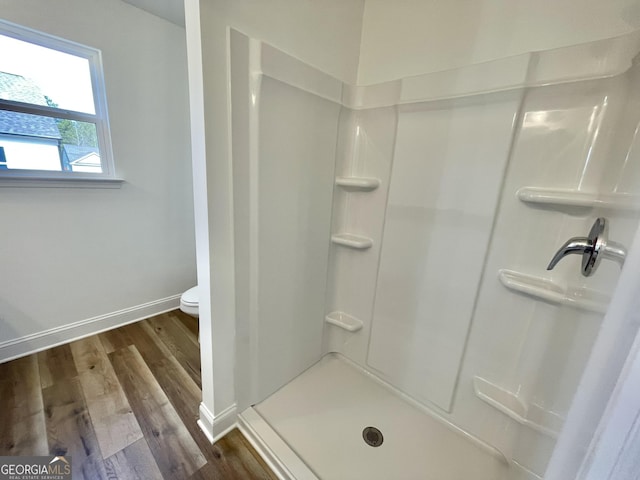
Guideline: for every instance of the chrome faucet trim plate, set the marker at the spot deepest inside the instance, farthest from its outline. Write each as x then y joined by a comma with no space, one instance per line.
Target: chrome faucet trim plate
593,248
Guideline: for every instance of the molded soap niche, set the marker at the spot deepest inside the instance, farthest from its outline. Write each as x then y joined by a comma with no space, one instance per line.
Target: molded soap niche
363,164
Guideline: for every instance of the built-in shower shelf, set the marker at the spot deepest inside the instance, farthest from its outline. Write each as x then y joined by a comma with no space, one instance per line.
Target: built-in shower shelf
364,184
550,291
532,416
575,198
352,241
344,320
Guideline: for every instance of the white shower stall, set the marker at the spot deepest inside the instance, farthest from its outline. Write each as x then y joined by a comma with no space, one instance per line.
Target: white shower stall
393,312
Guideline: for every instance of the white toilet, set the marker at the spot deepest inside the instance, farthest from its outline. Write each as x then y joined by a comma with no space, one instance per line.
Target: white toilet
189,302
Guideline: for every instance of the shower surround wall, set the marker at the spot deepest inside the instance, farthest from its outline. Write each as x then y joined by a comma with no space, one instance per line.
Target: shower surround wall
452,192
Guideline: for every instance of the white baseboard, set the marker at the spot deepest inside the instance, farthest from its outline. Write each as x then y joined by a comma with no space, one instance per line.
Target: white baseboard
216,427
53,337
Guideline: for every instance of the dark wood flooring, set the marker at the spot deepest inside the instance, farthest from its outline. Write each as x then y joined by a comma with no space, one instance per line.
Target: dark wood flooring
123,404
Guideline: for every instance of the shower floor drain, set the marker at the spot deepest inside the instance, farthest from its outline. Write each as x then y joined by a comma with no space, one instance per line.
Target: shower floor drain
372,436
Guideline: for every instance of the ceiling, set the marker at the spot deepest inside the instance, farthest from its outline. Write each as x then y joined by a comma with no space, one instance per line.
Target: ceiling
171,10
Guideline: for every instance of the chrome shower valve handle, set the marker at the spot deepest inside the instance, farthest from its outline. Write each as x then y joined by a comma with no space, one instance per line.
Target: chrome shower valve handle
592,248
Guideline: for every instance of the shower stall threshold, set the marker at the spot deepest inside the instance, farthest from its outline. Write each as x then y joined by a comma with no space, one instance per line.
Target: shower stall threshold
312,428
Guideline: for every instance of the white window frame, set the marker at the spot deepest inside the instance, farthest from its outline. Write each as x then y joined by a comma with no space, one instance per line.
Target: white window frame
45,178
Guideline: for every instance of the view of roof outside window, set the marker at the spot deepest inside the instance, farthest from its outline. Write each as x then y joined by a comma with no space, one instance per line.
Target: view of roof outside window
36,75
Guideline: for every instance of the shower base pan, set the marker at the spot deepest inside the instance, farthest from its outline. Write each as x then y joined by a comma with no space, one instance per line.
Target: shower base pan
312,428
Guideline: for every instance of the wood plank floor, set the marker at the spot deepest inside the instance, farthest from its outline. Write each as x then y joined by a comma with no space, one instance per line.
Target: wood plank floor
123,404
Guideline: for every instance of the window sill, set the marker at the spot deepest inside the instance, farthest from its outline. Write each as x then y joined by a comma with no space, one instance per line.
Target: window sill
58,182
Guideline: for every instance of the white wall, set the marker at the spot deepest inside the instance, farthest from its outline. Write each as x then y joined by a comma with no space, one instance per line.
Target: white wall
411,37
70,254
324,34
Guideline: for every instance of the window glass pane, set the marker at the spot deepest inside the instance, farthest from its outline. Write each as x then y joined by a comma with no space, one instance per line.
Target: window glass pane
42,76
34,142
